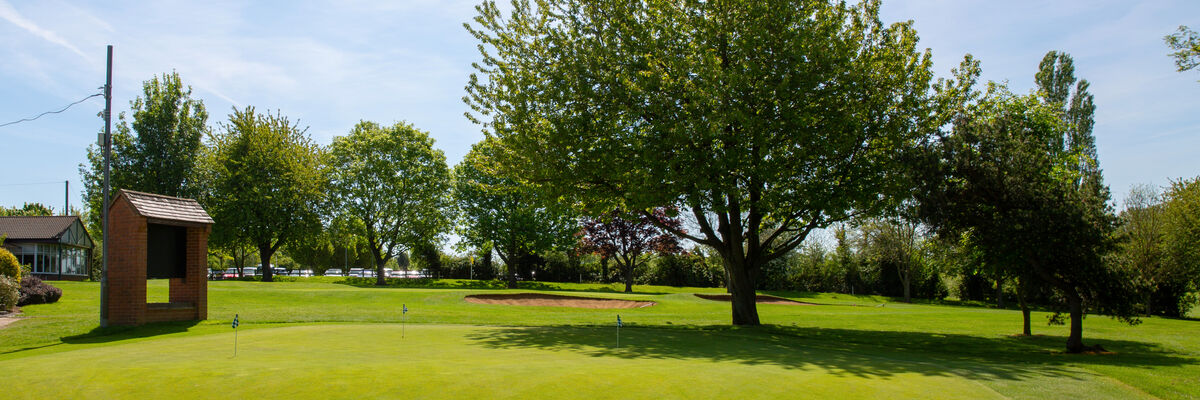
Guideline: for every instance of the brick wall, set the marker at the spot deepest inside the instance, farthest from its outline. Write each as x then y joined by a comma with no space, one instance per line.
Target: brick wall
126,265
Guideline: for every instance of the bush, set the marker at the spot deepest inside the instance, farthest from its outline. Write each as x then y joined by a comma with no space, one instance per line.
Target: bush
34,291
9,266
9,293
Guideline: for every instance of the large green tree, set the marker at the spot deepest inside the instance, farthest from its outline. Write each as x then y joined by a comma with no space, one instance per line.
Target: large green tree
762,120
1012,172
392,180
498,213
156,152
266,183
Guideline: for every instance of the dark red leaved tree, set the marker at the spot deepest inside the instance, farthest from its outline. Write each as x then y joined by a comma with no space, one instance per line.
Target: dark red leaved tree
629,240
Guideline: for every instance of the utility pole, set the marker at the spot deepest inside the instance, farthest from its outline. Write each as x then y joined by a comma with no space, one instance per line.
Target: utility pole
104,206
66,197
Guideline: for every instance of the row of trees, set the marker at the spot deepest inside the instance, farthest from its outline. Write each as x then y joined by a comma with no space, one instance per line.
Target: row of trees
760,122
768,120
379,192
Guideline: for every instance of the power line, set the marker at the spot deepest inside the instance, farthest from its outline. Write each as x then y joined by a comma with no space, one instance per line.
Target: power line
50,112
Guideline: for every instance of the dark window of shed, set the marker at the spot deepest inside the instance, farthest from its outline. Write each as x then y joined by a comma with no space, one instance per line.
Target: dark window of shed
166,251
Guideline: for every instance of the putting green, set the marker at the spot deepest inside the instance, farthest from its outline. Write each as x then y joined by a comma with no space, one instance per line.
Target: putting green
452,361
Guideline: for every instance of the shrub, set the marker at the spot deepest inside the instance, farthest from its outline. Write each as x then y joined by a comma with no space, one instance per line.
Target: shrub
9,293
34,291
9,266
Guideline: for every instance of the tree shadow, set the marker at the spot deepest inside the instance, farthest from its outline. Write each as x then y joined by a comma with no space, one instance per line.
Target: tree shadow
841,351
428,283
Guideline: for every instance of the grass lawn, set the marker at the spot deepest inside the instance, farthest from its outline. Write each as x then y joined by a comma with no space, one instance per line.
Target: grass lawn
318,339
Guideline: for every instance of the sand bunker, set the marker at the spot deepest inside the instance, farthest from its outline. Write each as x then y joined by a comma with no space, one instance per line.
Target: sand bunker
550,300
761,299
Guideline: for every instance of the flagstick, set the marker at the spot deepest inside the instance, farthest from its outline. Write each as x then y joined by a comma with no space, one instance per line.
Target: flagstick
235,342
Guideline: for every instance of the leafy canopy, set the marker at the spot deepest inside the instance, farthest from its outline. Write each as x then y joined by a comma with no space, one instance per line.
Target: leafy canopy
396,186
762,119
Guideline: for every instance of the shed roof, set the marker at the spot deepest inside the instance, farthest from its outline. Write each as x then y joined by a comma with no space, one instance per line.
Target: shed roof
166,208
48,228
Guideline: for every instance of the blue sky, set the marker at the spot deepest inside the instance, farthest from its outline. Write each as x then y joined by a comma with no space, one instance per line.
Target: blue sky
331,64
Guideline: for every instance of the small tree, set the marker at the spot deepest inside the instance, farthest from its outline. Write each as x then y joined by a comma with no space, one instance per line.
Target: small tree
396,186
498,213
629,238
898,243
267,183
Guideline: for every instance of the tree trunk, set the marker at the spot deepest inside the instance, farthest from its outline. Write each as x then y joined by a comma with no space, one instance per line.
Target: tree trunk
999,293
603,269
264,255
1075,341
906,279
742,296
627,271
380,280
1148,304
510,267
1024,307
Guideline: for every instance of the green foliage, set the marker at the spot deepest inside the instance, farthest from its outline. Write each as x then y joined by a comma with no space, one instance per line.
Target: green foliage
9,292
28,210
1186,44
159,152
394,185
1182,228
763,120
267,183
9,266
497,212
687,269
1015,173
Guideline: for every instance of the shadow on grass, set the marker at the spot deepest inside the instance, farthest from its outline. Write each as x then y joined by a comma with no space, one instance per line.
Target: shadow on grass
840,351
116,333
429,283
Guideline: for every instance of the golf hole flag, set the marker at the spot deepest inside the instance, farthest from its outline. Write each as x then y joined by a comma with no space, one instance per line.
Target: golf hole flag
405,308
618,321
235,321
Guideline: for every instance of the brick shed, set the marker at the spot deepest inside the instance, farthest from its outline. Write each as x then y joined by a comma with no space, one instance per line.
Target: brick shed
156,236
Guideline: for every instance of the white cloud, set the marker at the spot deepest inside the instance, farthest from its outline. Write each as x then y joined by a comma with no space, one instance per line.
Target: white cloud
8,13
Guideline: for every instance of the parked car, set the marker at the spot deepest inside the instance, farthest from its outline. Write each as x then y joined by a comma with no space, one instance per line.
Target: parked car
250,271
333,272
230,274
300,272
362,272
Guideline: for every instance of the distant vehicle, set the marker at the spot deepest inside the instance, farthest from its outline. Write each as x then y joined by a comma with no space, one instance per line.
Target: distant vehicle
250,271
333,272
412,274
362,272
230,274
300,272
280,271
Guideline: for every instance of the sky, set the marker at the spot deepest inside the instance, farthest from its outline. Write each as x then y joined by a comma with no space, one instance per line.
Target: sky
331,64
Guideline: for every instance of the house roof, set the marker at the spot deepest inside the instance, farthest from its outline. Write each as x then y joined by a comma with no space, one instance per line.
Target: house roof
35,228
162,208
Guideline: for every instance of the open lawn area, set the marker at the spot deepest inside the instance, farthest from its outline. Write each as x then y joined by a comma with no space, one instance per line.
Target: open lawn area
319,339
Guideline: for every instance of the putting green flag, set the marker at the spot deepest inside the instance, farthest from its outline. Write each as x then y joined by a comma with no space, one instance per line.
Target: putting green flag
405,307
235,321
619,321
